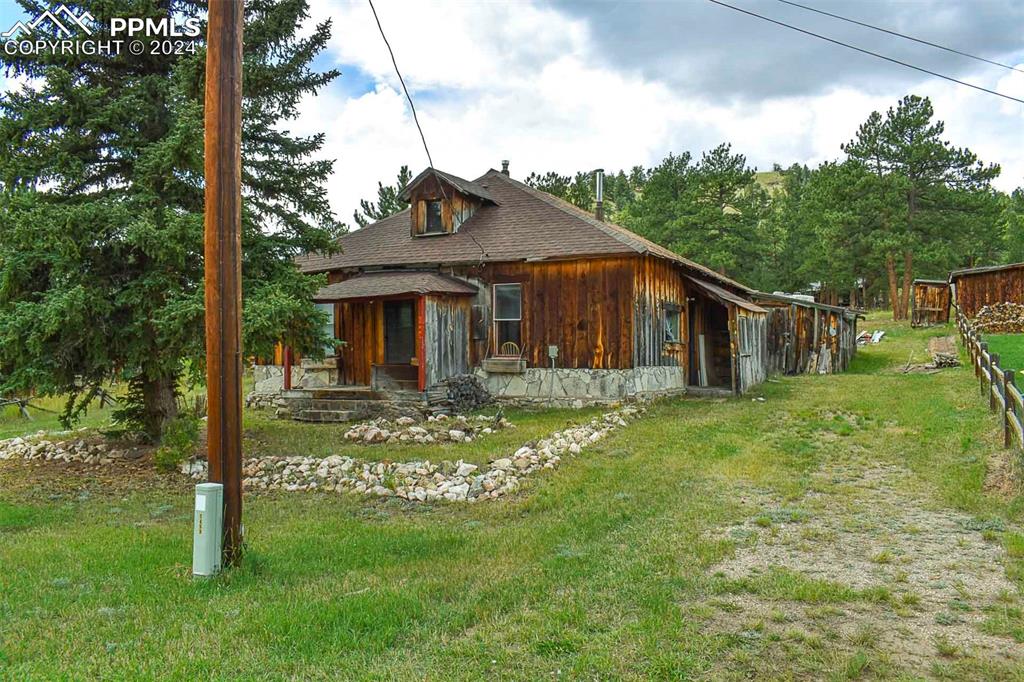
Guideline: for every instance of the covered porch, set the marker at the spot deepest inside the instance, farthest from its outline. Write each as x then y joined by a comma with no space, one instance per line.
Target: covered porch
399,330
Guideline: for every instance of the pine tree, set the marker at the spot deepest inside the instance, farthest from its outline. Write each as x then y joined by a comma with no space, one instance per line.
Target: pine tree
388,201
101,210
925,178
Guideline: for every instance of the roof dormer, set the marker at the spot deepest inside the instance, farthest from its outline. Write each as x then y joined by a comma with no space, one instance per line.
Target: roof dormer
440,203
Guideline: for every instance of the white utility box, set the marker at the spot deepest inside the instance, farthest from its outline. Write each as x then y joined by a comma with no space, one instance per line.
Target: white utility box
208,529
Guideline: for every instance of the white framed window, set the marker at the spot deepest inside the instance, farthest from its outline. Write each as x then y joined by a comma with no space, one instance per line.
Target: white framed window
330,349
508,320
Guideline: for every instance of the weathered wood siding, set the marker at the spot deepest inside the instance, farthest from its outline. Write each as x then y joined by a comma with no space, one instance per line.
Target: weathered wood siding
751,347
656,285
360,324
797,334
447,336
931,303
976,290
585,307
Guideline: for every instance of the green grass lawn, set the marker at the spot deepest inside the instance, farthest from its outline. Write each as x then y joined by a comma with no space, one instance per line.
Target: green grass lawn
603,569
1010,348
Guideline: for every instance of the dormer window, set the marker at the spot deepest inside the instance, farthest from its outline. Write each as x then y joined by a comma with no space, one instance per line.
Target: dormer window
441,203
434,224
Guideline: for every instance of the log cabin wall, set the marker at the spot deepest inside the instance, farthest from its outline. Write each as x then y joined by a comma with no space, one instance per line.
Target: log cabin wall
658,286
456,208
976,290
931,303
585,307
447,336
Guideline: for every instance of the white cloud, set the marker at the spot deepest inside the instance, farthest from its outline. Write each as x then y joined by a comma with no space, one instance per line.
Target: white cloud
523,82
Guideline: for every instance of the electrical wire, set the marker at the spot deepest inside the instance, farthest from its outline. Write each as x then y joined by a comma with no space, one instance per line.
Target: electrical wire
402,81
902,35
868,52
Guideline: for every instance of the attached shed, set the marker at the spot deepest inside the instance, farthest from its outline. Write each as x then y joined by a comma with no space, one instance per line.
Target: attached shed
974,288
805,337
930,302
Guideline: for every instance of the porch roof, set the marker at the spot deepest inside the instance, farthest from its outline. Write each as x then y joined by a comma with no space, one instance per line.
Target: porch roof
378,284
725,296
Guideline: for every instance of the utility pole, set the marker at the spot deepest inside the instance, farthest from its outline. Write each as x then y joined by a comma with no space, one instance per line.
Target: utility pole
223,251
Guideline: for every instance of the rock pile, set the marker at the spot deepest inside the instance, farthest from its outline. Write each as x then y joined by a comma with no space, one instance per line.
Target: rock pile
460,393
436,429
1001,318
39,448
424,481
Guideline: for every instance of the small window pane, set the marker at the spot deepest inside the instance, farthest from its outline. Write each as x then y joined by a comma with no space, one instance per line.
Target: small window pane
508,302
434,217
672,326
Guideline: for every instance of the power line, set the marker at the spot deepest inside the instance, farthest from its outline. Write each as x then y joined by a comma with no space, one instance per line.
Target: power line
402,81
873,54
901,35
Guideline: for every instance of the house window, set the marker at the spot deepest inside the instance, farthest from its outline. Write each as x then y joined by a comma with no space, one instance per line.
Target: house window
328,308
433,224
508,319
671,324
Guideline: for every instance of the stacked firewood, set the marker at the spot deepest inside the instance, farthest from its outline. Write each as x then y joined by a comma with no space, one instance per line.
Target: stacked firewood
458,394
1001,318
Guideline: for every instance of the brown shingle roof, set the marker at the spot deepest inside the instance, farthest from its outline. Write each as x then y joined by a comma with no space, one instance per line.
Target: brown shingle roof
526,224
464,186
374,284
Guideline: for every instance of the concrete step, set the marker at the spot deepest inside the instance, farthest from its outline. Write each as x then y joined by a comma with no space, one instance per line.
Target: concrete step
321,416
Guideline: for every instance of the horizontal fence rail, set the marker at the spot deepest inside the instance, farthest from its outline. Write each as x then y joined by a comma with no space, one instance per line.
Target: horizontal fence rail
996,384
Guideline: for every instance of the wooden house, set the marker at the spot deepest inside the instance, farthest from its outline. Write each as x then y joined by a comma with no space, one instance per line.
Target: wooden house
929,302
538,298
974,288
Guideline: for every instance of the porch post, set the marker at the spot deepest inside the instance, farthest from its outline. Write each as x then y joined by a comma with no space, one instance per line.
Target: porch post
286,352
421,342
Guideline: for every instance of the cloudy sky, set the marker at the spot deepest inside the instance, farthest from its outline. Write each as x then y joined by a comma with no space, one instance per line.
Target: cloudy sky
570,85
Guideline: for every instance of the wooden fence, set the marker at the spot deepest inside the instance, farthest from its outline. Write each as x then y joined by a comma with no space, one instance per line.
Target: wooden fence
997,385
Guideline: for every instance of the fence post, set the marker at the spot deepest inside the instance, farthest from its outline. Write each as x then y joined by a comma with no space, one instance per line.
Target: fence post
1007,383
993,387
983,348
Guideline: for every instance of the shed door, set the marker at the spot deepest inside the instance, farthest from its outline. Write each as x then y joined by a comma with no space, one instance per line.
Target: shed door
752,345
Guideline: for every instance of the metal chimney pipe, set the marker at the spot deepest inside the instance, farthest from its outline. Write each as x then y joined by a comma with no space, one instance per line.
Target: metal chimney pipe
504,167
599,180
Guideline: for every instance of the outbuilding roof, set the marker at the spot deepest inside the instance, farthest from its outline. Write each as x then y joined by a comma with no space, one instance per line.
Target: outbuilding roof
985,268
522,223
379,284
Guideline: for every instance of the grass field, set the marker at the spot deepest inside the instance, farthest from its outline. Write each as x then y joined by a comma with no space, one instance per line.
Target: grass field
863,525
1010,348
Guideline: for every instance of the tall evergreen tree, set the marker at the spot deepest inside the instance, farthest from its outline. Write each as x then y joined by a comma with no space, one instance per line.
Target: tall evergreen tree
101,210
388,201
924,178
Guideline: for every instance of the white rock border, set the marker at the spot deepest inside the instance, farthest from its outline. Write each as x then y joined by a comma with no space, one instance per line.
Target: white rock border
424,481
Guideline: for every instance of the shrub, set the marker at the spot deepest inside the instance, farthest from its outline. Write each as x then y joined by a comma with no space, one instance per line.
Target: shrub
179,442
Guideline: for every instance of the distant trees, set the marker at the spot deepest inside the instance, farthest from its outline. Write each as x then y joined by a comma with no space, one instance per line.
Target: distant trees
903,203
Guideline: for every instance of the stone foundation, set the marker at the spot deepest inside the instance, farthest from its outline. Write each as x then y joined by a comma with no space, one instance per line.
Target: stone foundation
270,378
579,387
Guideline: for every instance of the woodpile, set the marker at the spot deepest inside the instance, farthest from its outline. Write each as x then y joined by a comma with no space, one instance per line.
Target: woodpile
458,394
1001,318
